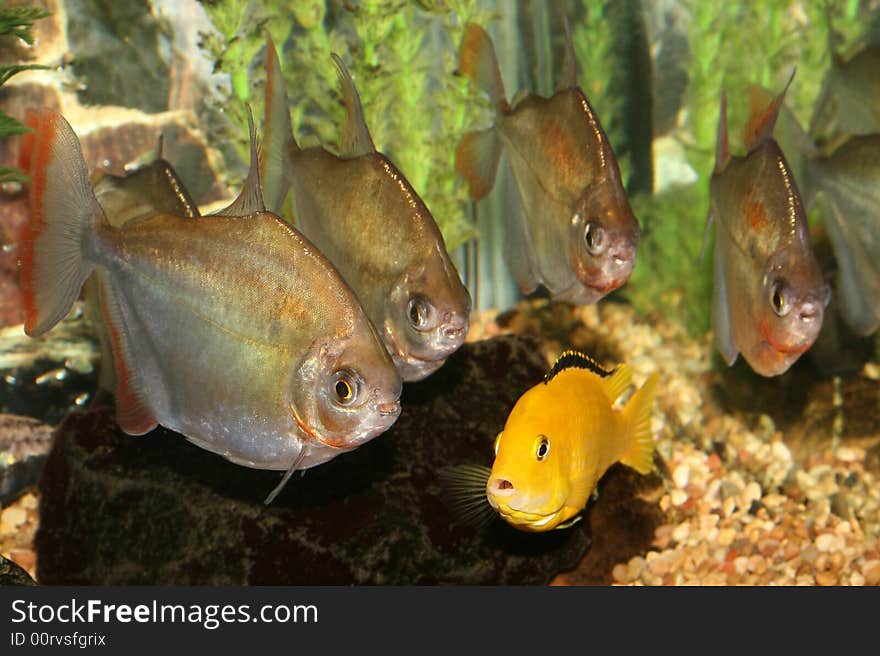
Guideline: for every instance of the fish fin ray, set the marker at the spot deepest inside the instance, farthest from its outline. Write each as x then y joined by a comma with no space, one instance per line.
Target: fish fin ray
59,235
476,159
858,274
721,327
464,493
477,60
290,470
568,74
762,116
250,200
133,414
519,251
722,142
94,303
618,382
355,139
278,140
707,233
640,454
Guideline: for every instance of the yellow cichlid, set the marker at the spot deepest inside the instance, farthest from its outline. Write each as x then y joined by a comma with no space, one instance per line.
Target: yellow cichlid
558,441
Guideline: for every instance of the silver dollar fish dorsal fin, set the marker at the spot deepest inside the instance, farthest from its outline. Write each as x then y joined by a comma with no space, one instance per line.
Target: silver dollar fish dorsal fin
762,116
355,139
278,141
578,360
250,200
568,73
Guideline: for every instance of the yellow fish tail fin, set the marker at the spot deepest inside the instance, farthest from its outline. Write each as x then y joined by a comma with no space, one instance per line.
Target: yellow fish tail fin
617,383
637,413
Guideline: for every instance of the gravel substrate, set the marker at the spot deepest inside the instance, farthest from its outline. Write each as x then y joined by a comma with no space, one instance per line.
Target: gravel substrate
740,508
745,501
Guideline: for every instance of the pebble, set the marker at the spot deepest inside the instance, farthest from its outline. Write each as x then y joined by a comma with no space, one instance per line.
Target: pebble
678,497
12,518
681,532
850,454
619,573
24,558
826,578
780,451
829,542
726,536
871,572
681,476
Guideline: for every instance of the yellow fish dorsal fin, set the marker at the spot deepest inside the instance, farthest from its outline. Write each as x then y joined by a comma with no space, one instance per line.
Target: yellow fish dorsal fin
578,360
637,418
617,382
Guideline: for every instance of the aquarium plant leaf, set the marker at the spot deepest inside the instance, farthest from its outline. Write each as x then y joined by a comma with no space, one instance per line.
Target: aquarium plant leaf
17,21
7,72
10,126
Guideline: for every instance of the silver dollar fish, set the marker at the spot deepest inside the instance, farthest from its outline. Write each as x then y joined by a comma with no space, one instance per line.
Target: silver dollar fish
576,233
232,330
361,211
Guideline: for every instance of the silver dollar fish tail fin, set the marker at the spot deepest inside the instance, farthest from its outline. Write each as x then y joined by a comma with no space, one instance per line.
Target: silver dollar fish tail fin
762,117
568,74
278,140
293,467
355,139
476,158
477,60
478,153
250,200
58,242
637,412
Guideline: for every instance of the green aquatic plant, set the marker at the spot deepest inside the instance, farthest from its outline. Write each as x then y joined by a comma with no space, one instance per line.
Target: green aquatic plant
16,22
402,56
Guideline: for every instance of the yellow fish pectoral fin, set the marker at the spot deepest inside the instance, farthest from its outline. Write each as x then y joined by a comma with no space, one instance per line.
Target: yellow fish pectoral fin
637,415
571,522
617,383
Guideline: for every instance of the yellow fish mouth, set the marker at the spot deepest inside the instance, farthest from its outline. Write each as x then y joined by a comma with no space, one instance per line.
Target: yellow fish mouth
523,519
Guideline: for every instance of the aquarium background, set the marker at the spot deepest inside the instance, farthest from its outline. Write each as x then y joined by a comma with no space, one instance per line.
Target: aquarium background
654,70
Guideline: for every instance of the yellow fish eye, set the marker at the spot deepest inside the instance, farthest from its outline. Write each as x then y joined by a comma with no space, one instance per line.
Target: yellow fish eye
543,447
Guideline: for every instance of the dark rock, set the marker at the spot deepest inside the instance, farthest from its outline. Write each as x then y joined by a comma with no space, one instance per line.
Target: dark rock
621,523
158,510
12,574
